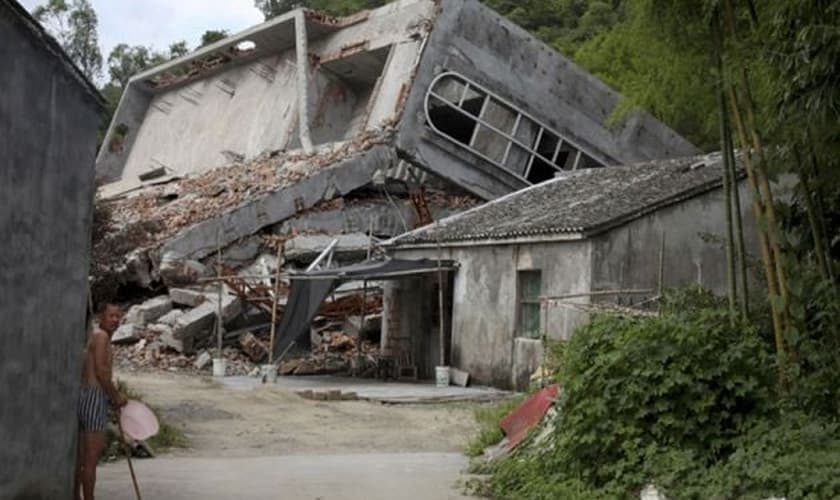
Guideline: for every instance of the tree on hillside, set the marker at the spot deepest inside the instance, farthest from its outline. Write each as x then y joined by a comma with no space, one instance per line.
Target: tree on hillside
178,49
74,24
272,8
125,61
212,36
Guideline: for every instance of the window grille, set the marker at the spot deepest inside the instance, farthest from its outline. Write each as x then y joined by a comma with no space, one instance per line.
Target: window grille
471,116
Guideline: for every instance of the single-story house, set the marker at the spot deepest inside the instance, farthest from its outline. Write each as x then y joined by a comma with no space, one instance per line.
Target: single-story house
585,231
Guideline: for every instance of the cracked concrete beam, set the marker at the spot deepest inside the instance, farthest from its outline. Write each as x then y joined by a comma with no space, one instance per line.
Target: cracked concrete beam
199,240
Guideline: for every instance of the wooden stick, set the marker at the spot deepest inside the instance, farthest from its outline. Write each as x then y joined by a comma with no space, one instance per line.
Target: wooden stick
221,285
550,298
127,451
274,306
661,270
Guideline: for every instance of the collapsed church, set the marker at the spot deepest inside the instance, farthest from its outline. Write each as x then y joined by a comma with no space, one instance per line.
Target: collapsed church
308,131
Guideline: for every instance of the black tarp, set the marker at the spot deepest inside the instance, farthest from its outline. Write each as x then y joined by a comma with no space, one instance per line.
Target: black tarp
309,289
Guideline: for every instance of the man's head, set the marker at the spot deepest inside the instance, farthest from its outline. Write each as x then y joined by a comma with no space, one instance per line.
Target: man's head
109,317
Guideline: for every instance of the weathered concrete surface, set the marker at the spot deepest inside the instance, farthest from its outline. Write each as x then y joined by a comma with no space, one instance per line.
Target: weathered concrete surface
126,334
149,311
472,40
484,305
200,240
527,357
48,123
250,105
200,319
373,476
310,246
628,257
385,218
187,297
485,339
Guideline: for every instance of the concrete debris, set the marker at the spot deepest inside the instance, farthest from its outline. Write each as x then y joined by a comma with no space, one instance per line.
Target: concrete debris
354,325
289,367
200,320
127,333
149,311
203,360
308,247
241,199
170,318
187,297
175,270
243,251
253,348
328,395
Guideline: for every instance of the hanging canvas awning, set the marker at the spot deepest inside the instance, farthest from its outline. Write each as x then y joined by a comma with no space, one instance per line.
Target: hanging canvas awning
310,288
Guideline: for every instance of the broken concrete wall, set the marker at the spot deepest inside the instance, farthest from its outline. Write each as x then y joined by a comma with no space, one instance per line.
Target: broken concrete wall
200,240
484,310
471,40
628,257
48,125
236,114
249,105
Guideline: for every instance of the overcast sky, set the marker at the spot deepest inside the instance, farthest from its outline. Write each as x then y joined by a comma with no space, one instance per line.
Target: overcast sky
158,23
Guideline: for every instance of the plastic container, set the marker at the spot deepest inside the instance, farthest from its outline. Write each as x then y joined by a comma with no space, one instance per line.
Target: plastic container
219,367
137,421
269,373
442,376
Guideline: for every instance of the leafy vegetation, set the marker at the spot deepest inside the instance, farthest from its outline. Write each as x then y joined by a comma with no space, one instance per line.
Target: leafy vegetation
687,401
488,418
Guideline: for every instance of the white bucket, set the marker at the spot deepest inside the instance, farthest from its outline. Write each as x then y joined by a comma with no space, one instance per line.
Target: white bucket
442,376
269,373
219,367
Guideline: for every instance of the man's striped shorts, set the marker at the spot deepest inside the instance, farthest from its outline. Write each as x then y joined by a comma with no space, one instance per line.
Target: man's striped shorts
93,408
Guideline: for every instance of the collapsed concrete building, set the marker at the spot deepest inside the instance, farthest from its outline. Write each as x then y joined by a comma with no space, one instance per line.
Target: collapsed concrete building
367,126
49,116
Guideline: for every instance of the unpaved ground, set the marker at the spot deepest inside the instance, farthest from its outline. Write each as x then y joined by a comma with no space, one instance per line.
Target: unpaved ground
268,443
268,421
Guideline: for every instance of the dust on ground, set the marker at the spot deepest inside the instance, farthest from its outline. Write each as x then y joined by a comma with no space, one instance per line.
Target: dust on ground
270,420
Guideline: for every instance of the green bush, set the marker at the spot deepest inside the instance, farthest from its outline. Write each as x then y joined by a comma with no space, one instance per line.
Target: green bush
687,382
794,456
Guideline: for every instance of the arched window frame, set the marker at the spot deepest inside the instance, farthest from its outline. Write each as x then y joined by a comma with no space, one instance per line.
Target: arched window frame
562,143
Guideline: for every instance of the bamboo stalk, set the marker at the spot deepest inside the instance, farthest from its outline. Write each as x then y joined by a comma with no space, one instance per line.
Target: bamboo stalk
727,177
812,216
766,255
740,248
770,207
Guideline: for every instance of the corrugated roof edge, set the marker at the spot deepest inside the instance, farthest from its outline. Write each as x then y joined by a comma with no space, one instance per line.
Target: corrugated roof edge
52,45
408,240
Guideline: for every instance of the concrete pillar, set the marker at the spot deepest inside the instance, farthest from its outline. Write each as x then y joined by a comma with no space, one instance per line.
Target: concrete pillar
302,60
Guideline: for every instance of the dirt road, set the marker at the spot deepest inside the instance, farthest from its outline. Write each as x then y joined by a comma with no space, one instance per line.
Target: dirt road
268,442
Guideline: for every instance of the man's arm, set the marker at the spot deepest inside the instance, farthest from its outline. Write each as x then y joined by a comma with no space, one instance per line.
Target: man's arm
102,368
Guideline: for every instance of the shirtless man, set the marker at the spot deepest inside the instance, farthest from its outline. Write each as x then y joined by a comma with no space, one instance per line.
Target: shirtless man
97,392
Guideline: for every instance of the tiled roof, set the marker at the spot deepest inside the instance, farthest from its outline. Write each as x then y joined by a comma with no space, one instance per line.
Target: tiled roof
582,202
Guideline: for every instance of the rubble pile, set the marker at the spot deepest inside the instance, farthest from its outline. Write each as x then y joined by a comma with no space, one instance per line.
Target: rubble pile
187,201
176,332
